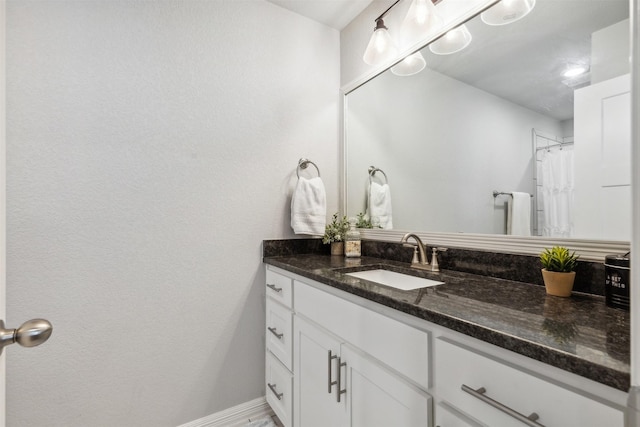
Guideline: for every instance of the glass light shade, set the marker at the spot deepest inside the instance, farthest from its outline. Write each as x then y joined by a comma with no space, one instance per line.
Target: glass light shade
381,47
507,11
420,21
454,41
410,65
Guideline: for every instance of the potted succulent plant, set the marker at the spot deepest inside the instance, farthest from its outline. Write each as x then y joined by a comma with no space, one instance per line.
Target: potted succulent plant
334,233
558,265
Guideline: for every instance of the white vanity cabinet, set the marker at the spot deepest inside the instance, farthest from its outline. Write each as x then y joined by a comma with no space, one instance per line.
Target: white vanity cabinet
346,361
279,345
337,384
346,367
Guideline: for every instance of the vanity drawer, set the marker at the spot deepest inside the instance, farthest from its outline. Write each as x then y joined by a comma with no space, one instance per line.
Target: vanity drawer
279,287
279,331
393,343
279,389
523,392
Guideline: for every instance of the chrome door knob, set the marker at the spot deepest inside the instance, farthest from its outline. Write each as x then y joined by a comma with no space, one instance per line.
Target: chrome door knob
30,334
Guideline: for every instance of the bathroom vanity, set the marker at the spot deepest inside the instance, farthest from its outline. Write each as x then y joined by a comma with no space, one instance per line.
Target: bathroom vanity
474,351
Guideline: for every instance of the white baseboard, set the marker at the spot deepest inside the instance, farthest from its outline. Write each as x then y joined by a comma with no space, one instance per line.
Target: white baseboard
237,416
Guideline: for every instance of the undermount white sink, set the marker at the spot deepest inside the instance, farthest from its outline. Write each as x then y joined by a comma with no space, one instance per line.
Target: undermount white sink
392,279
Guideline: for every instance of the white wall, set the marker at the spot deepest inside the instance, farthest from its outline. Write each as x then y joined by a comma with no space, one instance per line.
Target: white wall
151,148
610,52
452,145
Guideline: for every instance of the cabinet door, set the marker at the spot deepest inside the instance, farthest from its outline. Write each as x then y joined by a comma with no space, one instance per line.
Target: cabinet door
447,416
315,362
378,397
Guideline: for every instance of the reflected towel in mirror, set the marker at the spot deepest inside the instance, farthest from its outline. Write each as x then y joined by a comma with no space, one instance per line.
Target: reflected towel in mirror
379,205
519,214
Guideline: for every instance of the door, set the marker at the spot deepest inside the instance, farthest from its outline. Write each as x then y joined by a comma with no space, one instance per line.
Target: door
317,377
33,332
602,165
378,397
2,203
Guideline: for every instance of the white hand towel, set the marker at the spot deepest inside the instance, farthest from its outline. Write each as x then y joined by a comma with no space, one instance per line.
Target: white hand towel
380,205
309,207
519,214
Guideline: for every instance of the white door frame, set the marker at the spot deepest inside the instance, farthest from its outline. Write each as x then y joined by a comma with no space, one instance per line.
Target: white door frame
3,263
633,408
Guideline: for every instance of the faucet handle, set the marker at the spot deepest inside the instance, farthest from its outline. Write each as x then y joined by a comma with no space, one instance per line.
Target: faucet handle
416,258
434,258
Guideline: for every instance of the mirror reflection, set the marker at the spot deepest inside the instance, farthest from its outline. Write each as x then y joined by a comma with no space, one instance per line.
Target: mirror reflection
506,136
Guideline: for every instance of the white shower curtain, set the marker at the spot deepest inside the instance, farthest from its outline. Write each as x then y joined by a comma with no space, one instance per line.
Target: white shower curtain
557,192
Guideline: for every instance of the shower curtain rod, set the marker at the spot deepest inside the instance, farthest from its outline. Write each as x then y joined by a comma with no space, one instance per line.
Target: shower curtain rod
559,144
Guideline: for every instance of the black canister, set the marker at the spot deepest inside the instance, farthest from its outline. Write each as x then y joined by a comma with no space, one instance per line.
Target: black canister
616,285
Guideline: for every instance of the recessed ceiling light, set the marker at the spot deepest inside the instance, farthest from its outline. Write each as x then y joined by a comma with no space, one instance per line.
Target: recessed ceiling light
574,71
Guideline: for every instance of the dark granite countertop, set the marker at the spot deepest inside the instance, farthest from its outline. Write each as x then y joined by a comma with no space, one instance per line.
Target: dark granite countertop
579,334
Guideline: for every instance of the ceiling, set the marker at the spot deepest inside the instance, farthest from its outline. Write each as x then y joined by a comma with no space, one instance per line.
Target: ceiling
333,13
524,61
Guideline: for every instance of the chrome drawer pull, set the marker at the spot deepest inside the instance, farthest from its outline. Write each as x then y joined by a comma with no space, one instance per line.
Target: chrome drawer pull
275,332
274,287
480,394
341,364
331,383
273,389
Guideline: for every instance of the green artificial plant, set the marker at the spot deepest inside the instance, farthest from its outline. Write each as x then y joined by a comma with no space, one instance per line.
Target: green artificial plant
363,222
559,259
335,231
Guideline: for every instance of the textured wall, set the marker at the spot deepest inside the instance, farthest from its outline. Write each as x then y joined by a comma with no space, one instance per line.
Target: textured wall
151,147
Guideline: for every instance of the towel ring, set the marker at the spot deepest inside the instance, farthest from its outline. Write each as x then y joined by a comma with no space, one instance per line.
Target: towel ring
373,170
303,163
504,193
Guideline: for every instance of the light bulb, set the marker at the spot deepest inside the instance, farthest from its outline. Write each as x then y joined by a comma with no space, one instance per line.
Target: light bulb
410,65
453,41
507,11
381,47
420,21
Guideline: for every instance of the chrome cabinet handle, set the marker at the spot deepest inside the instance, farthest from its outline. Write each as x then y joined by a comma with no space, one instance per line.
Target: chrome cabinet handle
274,287
480,394
341,364
331,383
30,334
273,389
275,332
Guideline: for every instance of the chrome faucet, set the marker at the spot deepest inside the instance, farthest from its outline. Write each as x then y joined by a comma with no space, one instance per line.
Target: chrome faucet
419,254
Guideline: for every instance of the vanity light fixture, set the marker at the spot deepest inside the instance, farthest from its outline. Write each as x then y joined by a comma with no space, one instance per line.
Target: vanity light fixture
410,65
507,11
421,20
453,41
381,47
